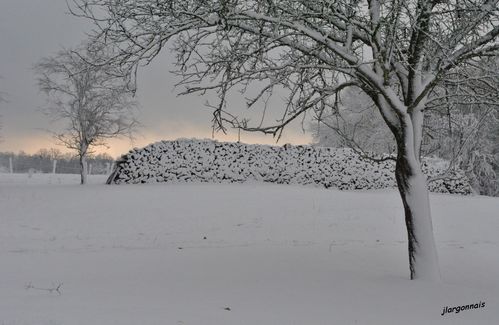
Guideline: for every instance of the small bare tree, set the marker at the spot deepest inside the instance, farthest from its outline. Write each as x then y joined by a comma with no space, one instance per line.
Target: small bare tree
93,100
397,52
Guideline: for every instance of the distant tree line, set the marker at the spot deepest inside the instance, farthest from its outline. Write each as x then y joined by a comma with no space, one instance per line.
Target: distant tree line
43,162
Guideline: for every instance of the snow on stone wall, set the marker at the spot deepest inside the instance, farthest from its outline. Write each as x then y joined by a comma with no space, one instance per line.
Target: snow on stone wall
227,162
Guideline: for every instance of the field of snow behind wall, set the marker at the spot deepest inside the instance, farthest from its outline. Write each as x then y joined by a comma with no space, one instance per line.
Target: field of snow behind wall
216,254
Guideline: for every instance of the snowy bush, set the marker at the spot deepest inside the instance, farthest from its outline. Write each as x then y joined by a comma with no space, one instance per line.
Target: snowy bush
224,162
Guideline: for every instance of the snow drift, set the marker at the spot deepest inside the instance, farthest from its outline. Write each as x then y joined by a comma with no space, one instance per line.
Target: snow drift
208,161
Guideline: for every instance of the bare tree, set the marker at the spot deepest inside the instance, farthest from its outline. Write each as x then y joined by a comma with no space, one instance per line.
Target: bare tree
355,124
2,100
92,99
2,94
2,97
462,118
397,52
458,128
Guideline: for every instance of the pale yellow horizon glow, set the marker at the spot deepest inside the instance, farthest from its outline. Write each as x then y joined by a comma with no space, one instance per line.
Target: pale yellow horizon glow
117,147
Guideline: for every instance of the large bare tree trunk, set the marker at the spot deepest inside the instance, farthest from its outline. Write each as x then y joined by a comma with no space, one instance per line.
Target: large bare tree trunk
411,181
83,163
83,169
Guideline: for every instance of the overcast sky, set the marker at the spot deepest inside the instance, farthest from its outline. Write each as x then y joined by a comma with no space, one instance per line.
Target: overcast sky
32,29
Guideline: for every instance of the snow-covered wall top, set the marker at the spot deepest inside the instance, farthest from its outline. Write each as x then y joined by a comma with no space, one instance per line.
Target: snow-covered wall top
228,162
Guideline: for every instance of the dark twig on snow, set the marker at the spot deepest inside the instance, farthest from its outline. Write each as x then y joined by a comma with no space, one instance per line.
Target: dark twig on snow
53,289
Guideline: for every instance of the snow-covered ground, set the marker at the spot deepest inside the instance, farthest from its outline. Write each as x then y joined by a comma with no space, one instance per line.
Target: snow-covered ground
218,254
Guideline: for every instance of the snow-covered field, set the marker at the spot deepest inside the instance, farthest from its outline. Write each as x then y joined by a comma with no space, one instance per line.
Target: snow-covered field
217,254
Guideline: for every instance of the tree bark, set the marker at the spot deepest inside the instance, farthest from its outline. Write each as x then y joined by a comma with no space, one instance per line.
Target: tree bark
423,259
83,169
